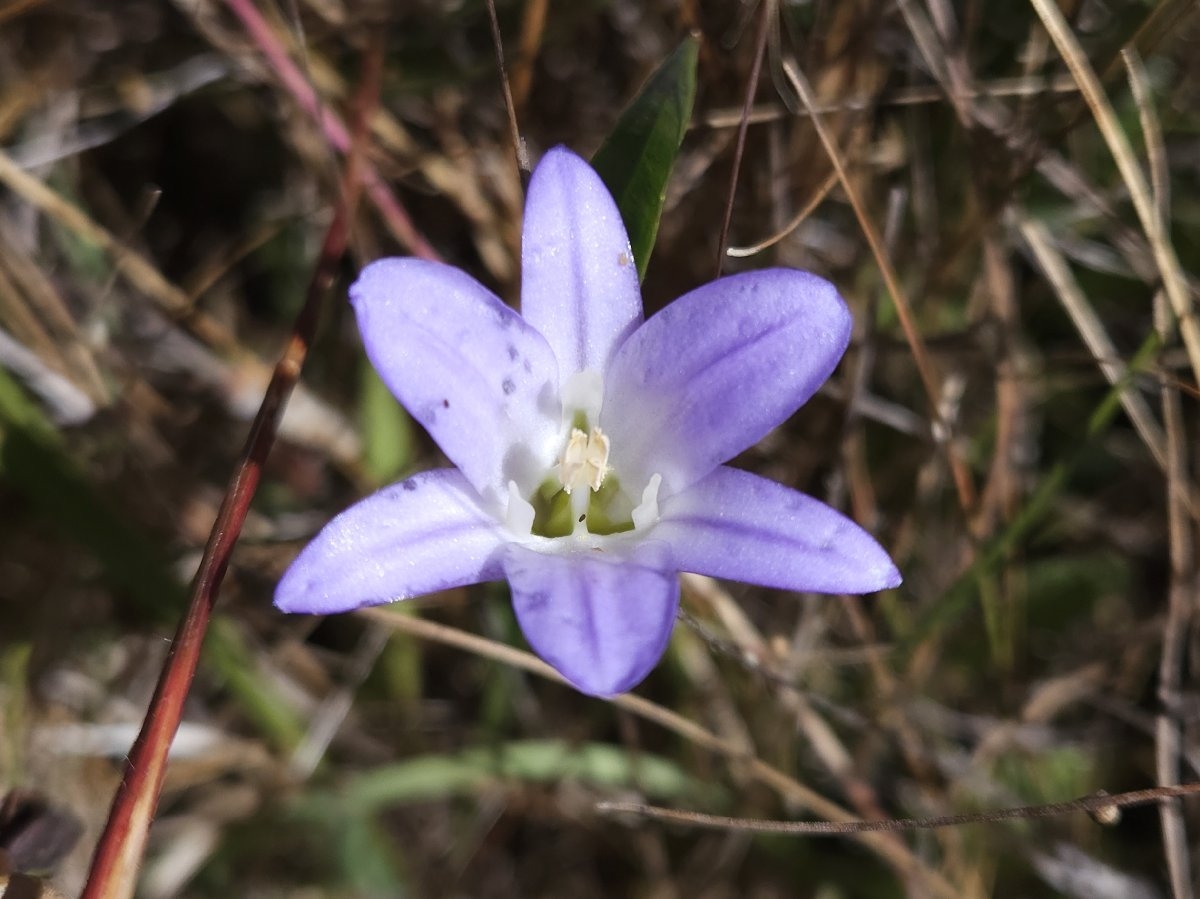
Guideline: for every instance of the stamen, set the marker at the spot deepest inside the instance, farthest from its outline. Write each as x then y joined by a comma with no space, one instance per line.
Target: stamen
584,462
520,514
646,512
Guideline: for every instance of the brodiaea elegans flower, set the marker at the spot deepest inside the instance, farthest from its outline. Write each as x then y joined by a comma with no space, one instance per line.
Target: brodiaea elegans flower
589,443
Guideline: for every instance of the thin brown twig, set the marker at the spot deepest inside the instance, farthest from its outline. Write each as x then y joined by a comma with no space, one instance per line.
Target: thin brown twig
1103,807
760,51
119,852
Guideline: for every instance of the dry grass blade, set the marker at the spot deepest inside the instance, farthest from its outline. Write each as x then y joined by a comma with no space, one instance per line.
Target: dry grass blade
1092,330
1156,148
1152,223
909,96
929,379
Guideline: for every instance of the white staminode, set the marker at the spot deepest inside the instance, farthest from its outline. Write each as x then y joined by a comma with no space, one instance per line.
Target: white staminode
520,514
584,462
646,512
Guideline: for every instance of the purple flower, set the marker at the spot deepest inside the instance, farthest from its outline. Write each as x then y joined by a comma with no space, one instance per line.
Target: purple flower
589,442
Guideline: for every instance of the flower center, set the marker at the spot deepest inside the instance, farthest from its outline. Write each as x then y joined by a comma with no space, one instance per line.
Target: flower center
582,494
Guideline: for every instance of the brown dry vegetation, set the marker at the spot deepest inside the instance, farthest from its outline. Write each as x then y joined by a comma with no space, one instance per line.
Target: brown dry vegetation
1016,421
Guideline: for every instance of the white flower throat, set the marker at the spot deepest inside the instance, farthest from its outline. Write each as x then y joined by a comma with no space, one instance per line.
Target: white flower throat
581,494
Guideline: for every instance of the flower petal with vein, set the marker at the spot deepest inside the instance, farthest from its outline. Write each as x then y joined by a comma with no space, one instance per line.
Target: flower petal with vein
588,443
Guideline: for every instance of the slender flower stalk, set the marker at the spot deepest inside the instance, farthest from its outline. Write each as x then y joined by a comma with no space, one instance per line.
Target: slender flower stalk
589,442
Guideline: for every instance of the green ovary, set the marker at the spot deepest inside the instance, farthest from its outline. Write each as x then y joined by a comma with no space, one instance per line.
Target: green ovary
608,511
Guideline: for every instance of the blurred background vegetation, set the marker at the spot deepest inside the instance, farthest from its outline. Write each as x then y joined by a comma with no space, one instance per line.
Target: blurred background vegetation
163,194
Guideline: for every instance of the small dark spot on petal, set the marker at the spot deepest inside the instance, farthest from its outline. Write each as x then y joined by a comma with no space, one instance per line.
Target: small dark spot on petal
508,386
582,517
445,404
512,353
409,485
528,366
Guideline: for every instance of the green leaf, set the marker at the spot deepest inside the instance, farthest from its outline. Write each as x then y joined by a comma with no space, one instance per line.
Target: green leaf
429,777
636,159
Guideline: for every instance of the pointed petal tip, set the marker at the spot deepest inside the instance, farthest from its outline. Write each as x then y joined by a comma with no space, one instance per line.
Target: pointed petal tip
594,683
564,166
562,155
376,275
292,592
605,691
888,577
301,591
871,570
866,568
877,571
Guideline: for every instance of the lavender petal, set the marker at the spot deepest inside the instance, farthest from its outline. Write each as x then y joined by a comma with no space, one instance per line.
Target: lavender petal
469,369
713,372
424,534
736,525
602,621
579,280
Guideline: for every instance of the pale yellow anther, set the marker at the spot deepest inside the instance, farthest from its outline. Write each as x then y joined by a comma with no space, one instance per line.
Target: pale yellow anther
584,462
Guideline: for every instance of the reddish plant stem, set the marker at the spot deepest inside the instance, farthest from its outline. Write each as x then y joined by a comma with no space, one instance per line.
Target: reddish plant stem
296,84
121,846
